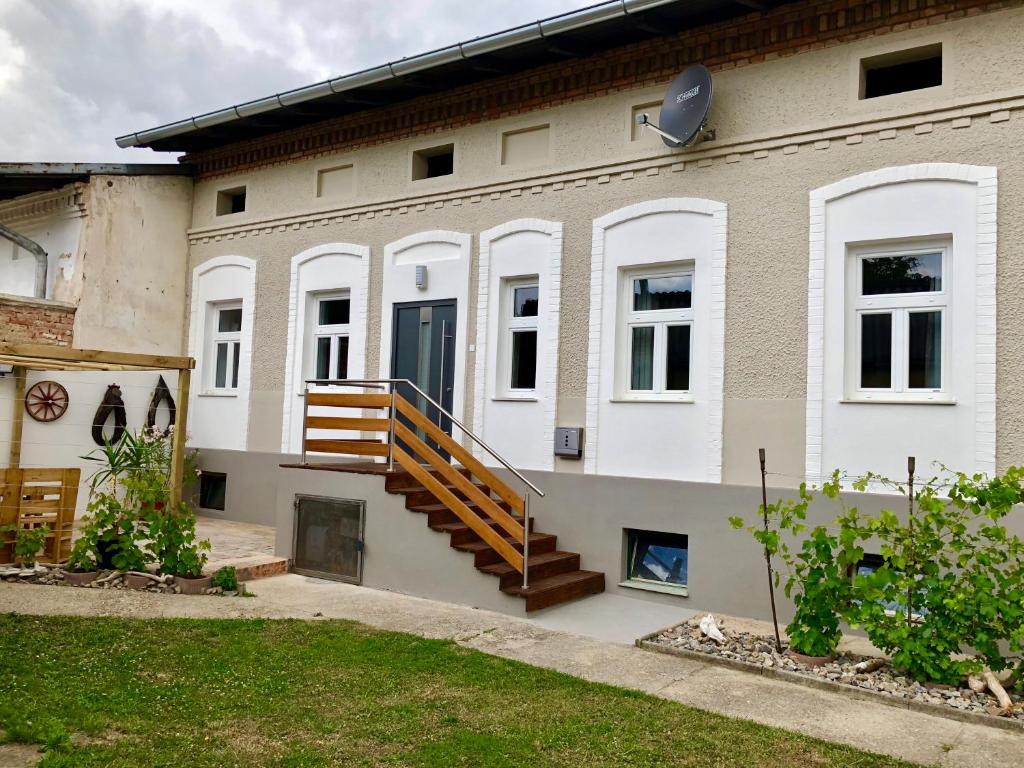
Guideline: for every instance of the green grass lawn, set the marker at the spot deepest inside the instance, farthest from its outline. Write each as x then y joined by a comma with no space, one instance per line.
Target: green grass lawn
140,693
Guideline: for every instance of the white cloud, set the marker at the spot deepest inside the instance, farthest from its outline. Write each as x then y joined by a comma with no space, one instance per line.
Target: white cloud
76,73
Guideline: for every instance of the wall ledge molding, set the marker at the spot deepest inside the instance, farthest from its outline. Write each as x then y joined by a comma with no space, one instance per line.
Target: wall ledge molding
68,201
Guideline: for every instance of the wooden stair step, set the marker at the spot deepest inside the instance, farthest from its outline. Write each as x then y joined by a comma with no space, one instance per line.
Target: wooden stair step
558,589
416,496
461,533
485,554
440,514
541,566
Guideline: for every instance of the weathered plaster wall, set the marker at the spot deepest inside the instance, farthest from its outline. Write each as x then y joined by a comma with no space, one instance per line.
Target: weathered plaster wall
765,183
132,267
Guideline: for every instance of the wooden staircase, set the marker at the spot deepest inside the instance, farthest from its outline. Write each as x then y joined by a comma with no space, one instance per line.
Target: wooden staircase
481,514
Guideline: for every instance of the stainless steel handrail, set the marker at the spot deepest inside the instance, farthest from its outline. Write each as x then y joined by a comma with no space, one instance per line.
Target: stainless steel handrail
389,384
383,384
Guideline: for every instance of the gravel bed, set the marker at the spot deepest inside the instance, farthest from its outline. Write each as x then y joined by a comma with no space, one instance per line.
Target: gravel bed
53,575
760,650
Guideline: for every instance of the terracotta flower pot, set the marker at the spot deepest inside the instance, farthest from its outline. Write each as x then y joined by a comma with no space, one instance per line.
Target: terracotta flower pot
80,578
810,661
191,586
135,581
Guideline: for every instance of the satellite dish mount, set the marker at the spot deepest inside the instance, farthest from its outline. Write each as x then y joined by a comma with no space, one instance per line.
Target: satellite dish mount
684,111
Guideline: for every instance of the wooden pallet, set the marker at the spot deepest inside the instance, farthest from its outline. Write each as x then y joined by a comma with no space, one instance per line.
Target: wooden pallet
32,498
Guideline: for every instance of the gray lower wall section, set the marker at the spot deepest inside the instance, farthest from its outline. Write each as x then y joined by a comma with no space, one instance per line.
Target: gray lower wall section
588,513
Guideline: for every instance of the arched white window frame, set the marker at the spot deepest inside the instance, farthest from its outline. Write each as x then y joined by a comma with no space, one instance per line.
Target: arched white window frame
985,178
547,368
715,329
198,318
358,287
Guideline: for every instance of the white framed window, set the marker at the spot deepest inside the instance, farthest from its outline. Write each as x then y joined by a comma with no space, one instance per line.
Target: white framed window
520,306
898,321
329,339
656,333
225,346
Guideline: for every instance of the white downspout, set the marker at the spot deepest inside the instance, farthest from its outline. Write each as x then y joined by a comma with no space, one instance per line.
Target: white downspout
36,250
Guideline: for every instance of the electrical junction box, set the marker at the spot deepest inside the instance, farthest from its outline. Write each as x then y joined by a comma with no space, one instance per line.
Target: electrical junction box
569,442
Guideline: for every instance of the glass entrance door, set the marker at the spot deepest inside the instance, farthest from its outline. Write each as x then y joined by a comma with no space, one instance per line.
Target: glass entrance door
423,352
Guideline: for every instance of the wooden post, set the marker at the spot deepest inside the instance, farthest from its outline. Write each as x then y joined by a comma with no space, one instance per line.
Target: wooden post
18,415
178,440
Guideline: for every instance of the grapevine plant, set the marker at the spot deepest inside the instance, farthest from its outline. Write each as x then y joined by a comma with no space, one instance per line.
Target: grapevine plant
948,597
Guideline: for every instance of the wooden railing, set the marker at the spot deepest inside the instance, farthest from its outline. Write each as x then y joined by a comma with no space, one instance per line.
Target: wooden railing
405,441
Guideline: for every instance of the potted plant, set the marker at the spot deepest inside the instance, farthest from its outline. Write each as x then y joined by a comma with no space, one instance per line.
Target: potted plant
81,567
172,541
28,543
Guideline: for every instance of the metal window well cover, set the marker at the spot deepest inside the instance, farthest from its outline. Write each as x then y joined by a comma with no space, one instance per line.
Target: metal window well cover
686,104
328,539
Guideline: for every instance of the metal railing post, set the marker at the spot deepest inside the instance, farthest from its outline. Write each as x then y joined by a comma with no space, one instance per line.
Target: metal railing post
391,431
305,412
526,540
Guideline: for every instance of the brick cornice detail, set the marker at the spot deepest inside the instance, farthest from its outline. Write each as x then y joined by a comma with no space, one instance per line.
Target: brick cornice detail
708,155
788,30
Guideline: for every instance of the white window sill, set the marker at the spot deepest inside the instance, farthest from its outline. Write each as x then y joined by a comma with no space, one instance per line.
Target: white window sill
654,399
217,394
883,400
650,586
514,399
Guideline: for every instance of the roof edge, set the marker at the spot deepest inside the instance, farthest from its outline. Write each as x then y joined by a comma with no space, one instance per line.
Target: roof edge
549,27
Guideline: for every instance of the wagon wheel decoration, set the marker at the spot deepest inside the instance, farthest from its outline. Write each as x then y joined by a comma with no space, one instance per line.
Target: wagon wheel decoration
46,401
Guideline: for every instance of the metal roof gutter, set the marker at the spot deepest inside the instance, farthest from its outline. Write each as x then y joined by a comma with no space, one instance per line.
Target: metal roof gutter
595,14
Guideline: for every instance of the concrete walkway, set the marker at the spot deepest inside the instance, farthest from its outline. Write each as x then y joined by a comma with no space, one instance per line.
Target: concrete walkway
909,735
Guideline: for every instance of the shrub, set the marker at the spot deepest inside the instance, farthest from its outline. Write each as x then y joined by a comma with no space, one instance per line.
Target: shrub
28,542
817,582
128,524
173,544
226,578
951,579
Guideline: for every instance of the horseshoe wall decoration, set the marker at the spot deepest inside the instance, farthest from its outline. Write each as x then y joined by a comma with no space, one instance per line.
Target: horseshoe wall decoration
46,401
112,405
162,394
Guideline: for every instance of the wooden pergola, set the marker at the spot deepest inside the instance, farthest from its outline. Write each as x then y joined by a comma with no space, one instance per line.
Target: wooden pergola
45,357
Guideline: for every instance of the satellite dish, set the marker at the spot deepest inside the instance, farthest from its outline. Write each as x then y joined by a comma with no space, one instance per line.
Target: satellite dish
684,111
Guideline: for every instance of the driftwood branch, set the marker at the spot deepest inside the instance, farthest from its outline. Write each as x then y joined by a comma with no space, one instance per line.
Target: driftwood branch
114,576
997,690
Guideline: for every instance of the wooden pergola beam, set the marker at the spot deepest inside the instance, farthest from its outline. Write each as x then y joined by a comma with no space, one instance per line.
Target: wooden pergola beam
48,354
45,357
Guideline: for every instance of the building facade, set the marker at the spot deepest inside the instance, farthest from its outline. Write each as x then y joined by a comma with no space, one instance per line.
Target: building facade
832,276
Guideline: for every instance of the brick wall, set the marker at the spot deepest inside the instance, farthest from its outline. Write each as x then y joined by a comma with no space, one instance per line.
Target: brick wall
36,321
756,37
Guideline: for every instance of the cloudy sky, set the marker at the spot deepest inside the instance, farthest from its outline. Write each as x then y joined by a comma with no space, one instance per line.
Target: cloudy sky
76,73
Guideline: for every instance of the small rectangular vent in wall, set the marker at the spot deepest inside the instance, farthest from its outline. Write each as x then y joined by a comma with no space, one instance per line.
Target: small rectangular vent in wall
526,147
433,162
337,182
213,490
901,71
230,201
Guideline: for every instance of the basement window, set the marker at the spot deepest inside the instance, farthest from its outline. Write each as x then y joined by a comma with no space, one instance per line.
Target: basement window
656,561
901,71
433,162
230,201
213,488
